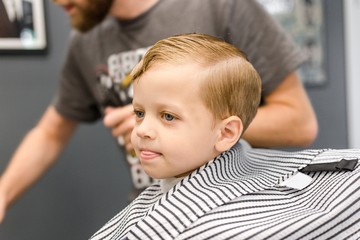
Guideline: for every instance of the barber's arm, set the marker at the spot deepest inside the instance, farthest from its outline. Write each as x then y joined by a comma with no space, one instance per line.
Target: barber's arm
36,153
286,119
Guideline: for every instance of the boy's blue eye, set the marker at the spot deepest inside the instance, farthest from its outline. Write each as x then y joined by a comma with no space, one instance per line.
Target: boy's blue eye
168,117
139,114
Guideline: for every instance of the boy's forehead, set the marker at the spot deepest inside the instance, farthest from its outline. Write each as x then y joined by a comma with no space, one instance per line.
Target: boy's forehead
181,79
176,68
167,76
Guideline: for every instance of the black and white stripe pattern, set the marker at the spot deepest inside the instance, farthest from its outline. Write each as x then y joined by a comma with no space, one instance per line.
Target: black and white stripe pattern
237,196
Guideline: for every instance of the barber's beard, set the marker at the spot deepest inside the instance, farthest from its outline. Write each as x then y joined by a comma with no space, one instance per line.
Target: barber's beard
90,15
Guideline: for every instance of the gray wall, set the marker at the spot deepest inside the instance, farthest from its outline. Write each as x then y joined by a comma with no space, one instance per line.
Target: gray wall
89,184
330,100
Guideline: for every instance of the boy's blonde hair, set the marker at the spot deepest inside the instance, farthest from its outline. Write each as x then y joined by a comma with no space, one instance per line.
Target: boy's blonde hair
231,85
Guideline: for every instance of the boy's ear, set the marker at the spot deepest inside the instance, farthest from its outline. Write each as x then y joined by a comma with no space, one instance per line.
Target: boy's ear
230,132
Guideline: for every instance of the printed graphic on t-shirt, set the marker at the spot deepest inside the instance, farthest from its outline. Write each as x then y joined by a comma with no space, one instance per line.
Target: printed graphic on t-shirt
116,88
114,79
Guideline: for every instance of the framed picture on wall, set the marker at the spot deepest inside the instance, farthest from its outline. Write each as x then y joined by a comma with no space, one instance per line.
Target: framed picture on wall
22,26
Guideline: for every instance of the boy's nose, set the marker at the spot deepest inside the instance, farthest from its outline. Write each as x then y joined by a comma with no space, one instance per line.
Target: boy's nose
145,129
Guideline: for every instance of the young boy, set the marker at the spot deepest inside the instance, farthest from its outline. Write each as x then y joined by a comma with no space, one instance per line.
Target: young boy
194,96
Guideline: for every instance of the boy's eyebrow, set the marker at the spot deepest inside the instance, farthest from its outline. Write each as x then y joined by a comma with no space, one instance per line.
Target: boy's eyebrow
167,105
134,103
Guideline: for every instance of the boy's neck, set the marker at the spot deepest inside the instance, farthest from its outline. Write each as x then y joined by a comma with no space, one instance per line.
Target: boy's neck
167,183
129,9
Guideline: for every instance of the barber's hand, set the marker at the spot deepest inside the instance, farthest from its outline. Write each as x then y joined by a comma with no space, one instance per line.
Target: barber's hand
121,120
2,208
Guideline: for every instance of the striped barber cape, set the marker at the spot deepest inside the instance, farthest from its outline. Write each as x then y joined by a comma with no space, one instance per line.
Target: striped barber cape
240,195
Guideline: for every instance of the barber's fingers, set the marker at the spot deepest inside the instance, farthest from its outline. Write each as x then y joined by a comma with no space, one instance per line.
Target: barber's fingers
125,141
128,145
123,128
115,116
2,208
121,120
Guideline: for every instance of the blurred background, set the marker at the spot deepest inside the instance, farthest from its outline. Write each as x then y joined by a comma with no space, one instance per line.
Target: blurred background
90,182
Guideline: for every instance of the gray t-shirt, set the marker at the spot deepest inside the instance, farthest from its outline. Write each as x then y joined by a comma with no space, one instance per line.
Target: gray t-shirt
96,70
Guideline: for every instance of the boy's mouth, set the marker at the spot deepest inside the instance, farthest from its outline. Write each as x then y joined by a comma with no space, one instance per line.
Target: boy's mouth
146,154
